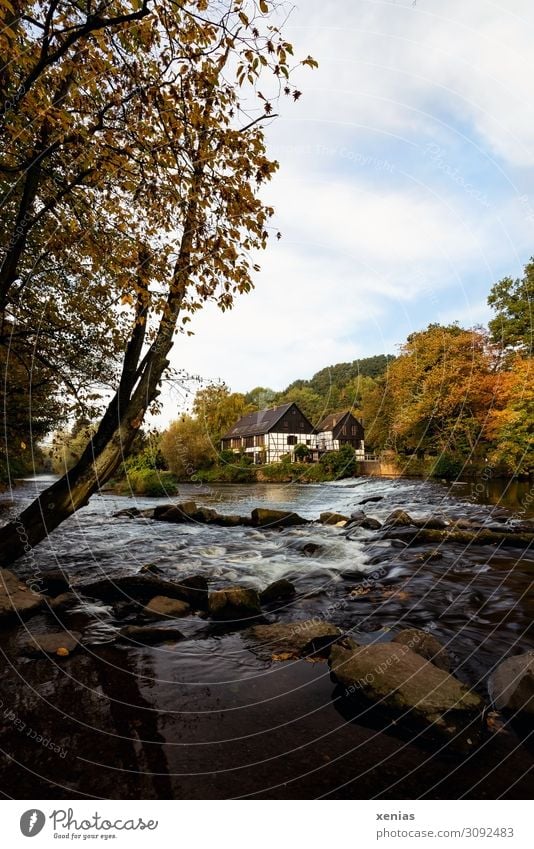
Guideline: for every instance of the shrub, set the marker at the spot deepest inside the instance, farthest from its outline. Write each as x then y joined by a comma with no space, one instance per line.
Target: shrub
150,482
340,464
447,466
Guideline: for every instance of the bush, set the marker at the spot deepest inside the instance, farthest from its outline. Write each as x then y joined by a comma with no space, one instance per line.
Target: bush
150,482
340,464
301,451
447,466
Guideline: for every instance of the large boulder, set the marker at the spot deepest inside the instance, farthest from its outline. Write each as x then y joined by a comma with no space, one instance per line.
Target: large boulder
263,517
360,520
329,518
399,519
52,583
161,607
511,686
277,591
234,603
395,679
289,640
60,644
149,635
425,645
16,598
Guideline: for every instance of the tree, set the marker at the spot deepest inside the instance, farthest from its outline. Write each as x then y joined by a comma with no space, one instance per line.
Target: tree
134,157
217,410
187,447
436,393
311,404
510,424
513,302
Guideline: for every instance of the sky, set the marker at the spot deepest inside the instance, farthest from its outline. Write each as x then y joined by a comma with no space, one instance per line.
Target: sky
405,188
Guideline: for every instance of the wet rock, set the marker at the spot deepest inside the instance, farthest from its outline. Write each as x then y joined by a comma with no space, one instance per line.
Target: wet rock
231,520
129,513
182,512
53,582
358,519
434,523
195,590
263,517
149,635
234,603
277,591
189,511
162,606
329,518
149,567
59,644
400,681
371,498
294,639
429,556
63,602
425,645
141,587
16,598
399,519
511,686
309,549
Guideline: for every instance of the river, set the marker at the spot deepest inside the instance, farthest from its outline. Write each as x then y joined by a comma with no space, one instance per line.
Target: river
208,717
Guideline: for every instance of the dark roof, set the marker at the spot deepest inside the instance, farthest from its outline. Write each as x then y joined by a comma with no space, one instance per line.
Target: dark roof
330,422
257,423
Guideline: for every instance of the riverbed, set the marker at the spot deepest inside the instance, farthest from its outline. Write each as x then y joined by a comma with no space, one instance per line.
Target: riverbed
208,717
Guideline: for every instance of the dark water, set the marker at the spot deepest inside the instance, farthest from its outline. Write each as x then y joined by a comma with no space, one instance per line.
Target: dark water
208,718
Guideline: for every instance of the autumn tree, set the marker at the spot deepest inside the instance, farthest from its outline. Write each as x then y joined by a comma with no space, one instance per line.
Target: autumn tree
187,447
217,409
436,394
510,424
132,160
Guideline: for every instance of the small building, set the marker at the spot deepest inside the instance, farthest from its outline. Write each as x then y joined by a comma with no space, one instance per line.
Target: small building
268,435
340,429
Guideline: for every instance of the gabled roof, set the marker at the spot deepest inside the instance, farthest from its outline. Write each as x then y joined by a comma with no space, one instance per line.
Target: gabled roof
262,421
334,419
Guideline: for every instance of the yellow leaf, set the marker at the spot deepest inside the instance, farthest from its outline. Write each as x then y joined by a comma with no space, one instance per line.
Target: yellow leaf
264,7
23,445
283,655
62,652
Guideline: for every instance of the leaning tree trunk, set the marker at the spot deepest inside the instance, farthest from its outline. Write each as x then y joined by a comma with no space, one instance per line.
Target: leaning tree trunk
137,389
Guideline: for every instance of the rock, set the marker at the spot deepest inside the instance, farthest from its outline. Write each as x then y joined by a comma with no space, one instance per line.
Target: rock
396,679
162,606
277,591
399,519
370,524
149,635
294,639
329,518
51,644
16,598
425,645
63,602
234,603
263,517
129,513
137,587
195,590
53,582
371,498
357,516
433,523
511,686
231,520
183,512
188,511
149,567
429,556
309,549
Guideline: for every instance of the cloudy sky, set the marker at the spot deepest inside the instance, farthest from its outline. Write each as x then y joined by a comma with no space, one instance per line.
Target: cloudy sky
406,187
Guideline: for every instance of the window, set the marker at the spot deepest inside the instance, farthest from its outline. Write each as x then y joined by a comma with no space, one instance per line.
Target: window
344,431
249,442
260,440
236,442
354,430
308,442
291,440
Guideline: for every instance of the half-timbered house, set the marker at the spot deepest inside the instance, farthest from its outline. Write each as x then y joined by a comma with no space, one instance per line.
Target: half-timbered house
268,435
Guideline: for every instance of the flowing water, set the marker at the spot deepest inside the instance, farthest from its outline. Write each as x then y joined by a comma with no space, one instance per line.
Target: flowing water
208,717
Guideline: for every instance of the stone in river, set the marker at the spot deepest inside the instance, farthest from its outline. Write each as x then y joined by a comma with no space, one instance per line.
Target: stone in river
61,644
277,591
399,518
511,686
425,645
294,639
399,681
149,635
162,607
16,598
234,603
265,518
330,518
